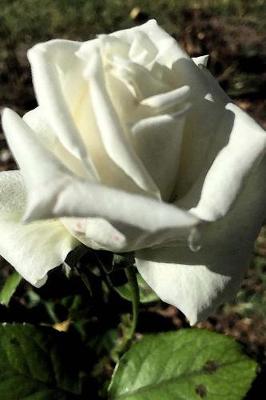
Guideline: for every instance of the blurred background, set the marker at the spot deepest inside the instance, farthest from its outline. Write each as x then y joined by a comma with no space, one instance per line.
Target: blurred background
233,33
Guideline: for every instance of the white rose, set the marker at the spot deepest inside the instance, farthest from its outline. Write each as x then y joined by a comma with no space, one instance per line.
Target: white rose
134,147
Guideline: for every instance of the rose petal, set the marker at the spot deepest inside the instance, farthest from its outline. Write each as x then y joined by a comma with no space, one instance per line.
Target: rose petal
115,141
164,101
36,120
158,142
202,60
140,81
35,248
198,282
190,286
54,192
167,47
219,185
211,122
97,233
230,169
114,205
48,62
42,171
142,50
206,132
35,160
81,108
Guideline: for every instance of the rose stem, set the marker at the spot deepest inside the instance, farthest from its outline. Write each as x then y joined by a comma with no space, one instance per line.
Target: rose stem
132,280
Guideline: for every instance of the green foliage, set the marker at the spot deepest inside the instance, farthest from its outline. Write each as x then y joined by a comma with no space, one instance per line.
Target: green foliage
188,364
147,295
9,288
36,364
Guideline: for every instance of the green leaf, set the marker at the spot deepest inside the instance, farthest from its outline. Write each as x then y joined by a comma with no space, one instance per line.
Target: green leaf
188,364
147,295
36,364
9,288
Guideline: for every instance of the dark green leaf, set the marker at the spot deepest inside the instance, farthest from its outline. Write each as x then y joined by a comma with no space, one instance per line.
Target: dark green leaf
147,295
9,288
188,364
36,364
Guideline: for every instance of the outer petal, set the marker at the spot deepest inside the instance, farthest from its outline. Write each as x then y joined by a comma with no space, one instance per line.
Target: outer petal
230,143
137,217
35,248
49,61
54,192
238,144
45,59
180,279
230,169
198,282
37,163
38,123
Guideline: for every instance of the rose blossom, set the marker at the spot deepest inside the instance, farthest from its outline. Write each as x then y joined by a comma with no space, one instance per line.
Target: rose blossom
134,147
